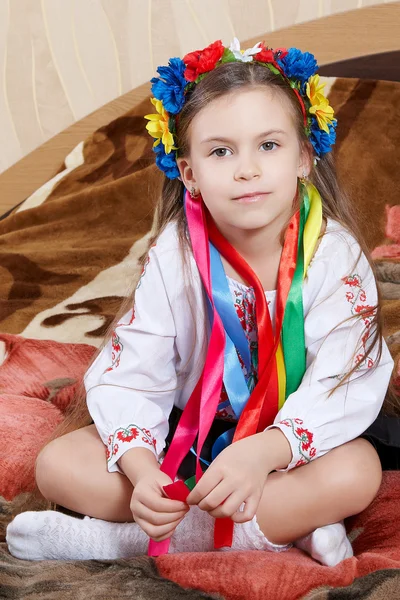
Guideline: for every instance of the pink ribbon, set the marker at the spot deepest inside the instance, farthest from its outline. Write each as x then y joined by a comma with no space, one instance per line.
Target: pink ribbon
201,407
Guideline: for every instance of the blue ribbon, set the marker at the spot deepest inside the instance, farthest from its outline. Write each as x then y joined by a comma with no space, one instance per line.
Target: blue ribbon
235,341
235,337
223,301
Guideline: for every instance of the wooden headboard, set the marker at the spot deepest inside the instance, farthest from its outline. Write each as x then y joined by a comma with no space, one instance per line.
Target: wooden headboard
360,43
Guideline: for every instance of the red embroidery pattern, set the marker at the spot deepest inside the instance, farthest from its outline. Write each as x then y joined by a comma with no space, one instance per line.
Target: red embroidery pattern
121,435
244,303
130,320
116,352
226,414
146,262
117,346
357,297
305,448
245,308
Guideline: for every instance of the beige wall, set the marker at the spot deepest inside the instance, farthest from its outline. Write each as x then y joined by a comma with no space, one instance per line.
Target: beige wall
62,59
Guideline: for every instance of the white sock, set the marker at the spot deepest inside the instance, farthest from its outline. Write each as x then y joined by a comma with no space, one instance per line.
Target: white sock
51,535
329,545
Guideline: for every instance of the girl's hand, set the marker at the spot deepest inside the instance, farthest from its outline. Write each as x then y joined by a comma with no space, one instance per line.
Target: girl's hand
238,474
157,516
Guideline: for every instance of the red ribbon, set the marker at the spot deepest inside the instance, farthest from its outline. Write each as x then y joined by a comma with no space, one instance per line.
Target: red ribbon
262,406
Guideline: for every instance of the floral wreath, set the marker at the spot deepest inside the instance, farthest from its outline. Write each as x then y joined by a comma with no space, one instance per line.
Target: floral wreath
180,76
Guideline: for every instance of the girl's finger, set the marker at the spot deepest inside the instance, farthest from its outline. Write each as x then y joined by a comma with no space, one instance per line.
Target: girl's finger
162,504
217,496
207,483
167,535
229,507
158,532
250,508
158,518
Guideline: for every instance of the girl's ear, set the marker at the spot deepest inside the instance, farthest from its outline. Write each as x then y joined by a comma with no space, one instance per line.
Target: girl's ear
306,162
186,172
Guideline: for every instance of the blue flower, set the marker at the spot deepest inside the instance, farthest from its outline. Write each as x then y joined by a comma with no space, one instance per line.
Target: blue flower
322,141
166,162
170,86
298,64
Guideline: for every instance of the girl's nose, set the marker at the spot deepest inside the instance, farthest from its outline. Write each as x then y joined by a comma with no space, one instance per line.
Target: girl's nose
247,168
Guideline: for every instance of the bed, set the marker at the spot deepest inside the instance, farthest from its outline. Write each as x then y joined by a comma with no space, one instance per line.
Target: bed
68,250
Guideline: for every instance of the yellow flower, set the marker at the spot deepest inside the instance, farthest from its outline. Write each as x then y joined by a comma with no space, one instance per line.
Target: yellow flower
158,126
320,106
314,87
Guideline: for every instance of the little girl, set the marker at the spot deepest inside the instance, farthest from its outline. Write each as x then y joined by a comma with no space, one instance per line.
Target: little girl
228,404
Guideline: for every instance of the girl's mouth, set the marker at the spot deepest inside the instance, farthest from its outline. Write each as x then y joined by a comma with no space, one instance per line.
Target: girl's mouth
251,198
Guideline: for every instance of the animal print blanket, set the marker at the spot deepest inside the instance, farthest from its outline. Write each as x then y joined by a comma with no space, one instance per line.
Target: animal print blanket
68,254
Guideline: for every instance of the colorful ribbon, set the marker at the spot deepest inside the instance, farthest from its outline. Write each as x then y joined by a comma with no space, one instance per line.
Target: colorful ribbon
281,353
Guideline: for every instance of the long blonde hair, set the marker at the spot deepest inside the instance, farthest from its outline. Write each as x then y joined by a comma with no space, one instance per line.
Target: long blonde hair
226,79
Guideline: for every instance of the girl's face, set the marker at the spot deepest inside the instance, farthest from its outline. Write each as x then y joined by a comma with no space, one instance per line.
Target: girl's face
245,159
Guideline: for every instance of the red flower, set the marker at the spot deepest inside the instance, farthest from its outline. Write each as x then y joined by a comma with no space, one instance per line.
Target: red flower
116,342
280,53
369,310
359,358
268,55
115,449
306,437
202,61
107,453
352,281
128,438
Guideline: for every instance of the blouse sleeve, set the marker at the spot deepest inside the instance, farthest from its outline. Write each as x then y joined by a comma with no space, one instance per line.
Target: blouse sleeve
132,384
340,285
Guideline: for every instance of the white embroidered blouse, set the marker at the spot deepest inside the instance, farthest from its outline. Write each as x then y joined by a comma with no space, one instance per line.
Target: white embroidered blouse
158,349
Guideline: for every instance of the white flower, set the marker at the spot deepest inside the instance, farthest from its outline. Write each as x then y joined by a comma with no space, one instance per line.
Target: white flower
243,55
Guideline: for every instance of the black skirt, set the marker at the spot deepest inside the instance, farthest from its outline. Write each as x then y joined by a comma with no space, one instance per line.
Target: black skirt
384,435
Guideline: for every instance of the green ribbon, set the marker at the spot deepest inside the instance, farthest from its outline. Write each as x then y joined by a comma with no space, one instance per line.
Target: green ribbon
293,341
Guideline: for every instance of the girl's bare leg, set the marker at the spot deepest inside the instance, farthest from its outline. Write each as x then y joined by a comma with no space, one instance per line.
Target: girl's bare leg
72,471
327,490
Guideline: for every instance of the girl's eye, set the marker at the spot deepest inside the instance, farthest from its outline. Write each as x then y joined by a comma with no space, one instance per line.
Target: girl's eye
268,145
220,152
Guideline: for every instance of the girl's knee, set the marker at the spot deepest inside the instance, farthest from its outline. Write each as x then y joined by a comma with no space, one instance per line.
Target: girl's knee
362,471
47,466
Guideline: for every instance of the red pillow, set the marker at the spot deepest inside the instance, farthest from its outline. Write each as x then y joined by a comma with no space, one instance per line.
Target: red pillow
38,380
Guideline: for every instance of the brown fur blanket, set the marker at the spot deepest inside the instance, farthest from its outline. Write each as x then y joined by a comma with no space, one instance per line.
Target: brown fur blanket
66,259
